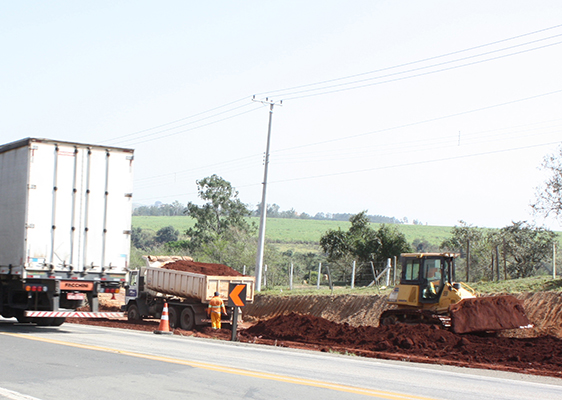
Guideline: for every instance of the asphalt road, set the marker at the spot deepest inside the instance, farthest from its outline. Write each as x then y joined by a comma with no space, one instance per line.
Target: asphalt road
85,362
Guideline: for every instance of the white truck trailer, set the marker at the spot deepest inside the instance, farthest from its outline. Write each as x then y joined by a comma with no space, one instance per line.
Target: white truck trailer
65,227
187,293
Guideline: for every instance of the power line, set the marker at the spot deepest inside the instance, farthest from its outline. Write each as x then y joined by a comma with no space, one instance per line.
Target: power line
412,62
421,122
416,163
135,140
194,128
178,120
413,76
361,134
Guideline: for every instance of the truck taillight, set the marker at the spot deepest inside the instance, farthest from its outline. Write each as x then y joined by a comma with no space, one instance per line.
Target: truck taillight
109,290
35,288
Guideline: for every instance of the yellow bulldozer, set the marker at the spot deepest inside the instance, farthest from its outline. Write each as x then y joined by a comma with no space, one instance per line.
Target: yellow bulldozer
429,294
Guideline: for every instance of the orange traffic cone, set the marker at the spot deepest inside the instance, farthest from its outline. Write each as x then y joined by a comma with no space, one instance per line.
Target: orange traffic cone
164,327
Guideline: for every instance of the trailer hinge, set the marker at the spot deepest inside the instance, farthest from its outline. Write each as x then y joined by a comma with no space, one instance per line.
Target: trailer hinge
29,226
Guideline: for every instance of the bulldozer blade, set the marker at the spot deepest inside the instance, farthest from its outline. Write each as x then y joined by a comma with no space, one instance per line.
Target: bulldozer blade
489,313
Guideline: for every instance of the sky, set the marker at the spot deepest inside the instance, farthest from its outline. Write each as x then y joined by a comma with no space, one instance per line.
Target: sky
436,111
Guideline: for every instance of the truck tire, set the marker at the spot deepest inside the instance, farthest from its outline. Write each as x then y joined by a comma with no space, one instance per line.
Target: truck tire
187,319
173,317
21,318
133,313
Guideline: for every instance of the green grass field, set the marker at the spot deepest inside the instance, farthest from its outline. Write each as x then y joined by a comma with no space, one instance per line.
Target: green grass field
295,231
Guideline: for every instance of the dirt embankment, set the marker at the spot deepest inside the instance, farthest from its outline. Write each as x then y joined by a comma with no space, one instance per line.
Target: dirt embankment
356,310
543,309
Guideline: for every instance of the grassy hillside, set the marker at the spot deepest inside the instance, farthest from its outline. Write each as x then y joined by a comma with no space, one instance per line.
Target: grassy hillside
283,230
533,284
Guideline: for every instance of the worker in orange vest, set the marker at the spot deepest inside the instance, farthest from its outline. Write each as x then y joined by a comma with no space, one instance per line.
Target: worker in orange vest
216,306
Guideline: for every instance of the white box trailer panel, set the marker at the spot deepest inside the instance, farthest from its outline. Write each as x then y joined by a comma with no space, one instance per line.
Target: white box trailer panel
65,206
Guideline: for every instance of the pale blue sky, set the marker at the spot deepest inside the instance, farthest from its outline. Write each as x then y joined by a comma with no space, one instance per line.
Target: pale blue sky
121,72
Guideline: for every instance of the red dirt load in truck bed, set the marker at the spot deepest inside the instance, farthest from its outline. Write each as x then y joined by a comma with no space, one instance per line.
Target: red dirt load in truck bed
202,268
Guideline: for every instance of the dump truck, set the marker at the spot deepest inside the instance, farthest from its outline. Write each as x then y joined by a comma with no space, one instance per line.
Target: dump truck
65,227
428,294
186,293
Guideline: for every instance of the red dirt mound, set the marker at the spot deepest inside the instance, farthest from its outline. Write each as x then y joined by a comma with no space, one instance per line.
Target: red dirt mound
421,343
202,268
490,313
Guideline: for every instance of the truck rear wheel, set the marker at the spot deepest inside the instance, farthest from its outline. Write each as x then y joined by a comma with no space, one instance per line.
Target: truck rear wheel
21,318
173,317
187,319
133,313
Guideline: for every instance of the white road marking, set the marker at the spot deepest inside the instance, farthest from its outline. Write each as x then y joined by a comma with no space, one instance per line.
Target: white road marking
10,394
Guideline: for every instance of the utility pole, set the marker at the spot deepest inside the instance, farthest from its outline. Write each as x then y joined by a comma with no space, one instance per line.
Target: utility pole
263,214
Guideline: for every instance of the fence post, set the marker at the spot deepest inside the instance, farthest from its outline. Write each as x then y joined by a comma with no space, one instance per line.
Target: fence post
553,260
353,275
388,272
318,279
291,278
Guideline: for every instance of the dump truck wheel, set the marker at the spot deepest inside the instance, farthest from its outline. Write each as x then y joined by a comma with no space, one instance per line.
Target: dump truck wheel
173,317
187,319
21,318
133,313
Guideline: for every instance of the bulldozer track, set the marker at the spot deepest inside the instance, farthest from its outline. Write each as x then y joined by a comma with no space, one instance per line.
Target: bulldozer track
414,317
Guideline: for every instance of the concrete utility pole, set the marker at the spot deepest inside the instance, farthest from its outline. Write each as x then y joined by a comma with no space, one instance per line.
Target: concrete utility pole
263,214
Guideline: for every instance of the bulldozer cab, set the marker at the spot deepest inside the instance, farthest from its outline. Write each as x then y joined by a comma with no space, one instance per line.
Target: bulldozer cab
428,271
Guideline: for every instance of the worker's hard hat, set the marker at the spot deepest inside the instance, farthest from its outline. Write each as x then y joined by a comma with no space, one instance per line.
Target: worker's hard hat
217,294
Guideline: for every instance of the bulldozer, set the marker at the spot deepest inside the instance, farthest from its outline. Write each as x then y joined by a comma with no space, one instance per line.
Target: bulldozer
429,294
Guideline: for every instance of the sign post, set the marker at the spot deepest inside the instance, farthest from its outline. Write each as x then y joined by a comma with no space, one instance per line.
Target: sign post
236,299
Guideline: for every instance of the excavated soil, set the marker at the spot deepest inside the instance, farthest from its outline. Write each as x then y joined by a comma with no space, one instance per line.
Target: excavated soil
202,268
489,313
348,324
419,343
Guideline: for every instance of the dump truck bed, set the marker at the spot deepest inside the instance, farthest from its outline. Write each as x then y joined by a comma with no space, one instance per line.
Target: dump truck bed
194,286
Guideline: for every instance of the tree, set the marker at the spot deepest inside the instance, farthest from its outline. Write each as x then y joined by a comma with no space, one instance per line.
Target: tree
141,239
469,239
526,247
167,234
549,198
392,242
221,213
362,243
